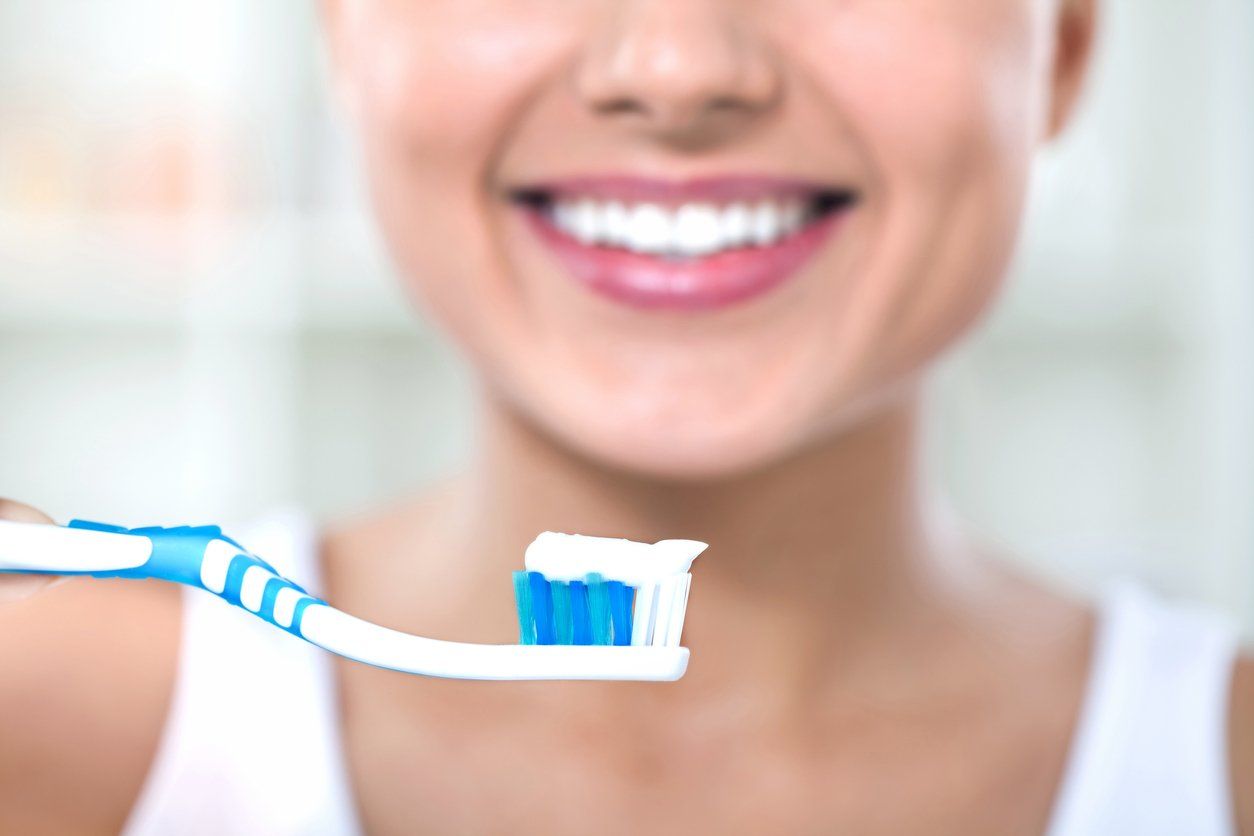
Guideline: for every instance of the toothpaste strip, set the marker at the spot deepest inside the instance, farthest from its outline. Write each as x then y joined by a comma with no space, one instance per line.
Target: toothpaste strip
567,557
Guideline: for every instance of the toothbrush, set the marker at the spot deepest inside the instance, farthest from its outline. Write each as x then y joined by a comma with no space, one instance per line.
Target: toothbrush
588,607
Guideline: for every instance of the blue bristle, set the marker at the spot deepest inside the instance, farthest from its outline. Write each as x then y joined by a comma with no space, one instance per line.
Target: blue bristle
581,624
542,607
561,612
620,610
522,597
599,607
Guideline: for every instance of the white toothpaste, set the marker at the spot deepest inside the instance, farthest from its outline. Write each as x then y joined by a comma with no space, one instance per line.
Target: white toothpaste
567,557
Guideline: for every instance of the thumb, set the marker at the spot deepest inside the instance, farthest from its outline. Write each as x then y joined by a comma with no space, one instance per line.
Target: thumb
16,587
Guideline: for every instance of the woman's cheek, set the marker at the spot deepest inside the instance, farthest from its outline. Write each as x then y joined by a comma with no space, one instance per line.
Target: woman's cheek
939,114
450,84
435,105
925,96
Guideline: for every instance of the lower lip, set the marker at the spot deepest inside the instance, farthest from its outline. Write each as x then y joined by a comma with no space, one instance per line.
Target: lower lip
711,282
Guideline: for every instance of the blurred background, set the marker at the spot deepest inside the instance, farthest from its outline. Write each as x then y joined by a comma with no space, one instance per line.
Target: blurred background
198,322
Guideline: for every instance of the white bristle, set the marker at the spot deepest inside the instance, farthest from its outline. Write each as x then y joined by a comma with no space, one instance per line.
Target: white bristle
676,627
642,618
665,608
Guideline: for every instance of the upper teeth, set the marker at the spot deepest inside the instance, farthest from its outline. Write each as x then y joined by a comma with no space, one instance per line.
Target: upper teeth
690,229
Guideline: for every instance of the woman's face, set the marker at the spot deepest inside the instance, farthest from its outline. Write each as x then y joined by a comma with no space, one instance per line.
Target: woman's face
690,237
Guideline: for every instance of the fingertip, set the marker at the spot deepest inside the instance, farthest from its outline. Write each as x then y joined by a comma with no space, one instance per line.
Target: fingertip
15,511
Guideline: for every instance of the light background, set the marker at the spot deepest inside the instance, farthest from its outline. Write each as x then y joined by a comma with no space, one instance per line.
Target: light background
197,322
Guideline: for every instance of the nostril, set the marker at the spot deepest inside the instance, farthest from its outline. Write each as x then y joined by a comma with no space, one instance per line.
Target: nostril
621,105
679,69
726,103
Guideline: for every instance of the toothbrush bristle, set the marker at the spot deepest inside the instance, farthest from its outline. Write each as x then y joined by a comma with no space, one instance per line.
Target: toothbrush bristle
522,598
581,622
599,608
542,608
620,611
598,611
563,626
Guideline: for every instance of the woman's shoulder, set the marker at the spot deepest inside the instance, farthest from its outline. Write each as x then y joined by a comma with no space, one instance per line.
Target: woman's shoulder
88,673
1242,743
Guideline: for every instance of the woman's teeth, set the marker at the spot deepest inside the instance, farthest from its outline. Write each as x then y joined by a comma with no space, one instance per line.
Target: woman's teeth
685,231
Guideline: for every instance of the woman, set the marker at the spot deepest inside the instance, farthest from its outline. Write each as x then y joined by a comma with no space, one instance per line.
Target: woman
701,254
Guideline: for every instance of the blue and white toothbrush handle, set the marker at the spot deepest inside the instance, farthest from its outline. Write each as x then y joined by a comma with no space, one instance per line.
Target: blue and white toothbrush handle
203,557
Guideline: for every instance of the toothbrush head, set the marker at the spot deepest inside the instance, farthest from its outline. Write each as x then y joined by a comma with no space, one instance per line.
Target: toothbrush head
588,608
598,591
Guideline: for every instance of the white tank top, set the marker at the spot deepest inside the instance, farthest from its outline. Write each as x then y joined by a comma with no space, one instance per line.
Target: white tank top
252,743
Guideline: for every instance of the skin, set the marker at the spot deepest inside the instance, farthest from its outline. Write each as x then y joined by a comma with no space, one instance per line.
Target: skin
80,708
857,665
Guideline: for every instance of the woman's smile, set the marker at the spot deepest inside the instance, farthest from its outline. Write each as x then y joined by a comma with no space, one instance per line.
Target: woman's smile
692,238
684,245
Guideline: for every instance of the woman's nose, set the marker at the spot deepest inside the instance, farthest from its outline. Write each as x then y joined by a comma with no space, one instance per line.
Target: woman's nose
684,70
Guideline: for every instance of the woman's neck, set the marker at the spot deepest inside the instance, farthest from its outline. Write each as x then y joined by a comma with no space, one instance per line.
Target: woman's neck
832,542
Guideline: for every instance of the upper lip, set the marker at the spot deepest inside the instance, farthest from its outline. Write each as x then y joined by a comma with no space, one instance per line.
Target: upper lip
713,189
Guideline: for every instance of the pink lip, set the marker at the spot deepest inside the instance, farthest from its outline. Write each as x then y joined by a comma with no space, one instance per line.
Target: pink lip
714,189
711,282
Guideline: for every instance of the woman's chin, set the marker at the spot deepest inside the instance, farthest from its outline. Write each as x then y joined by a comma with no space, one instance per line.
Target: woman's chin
703,450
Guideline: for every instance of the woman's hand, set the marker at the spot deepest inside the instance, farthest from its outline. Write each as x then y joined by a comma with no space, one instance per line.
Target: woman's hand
16,587
86,675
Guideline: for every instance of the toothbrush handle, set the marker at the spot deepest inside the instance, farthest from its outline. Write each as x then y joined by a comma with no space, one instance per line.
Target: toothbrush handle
51,549
194,556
